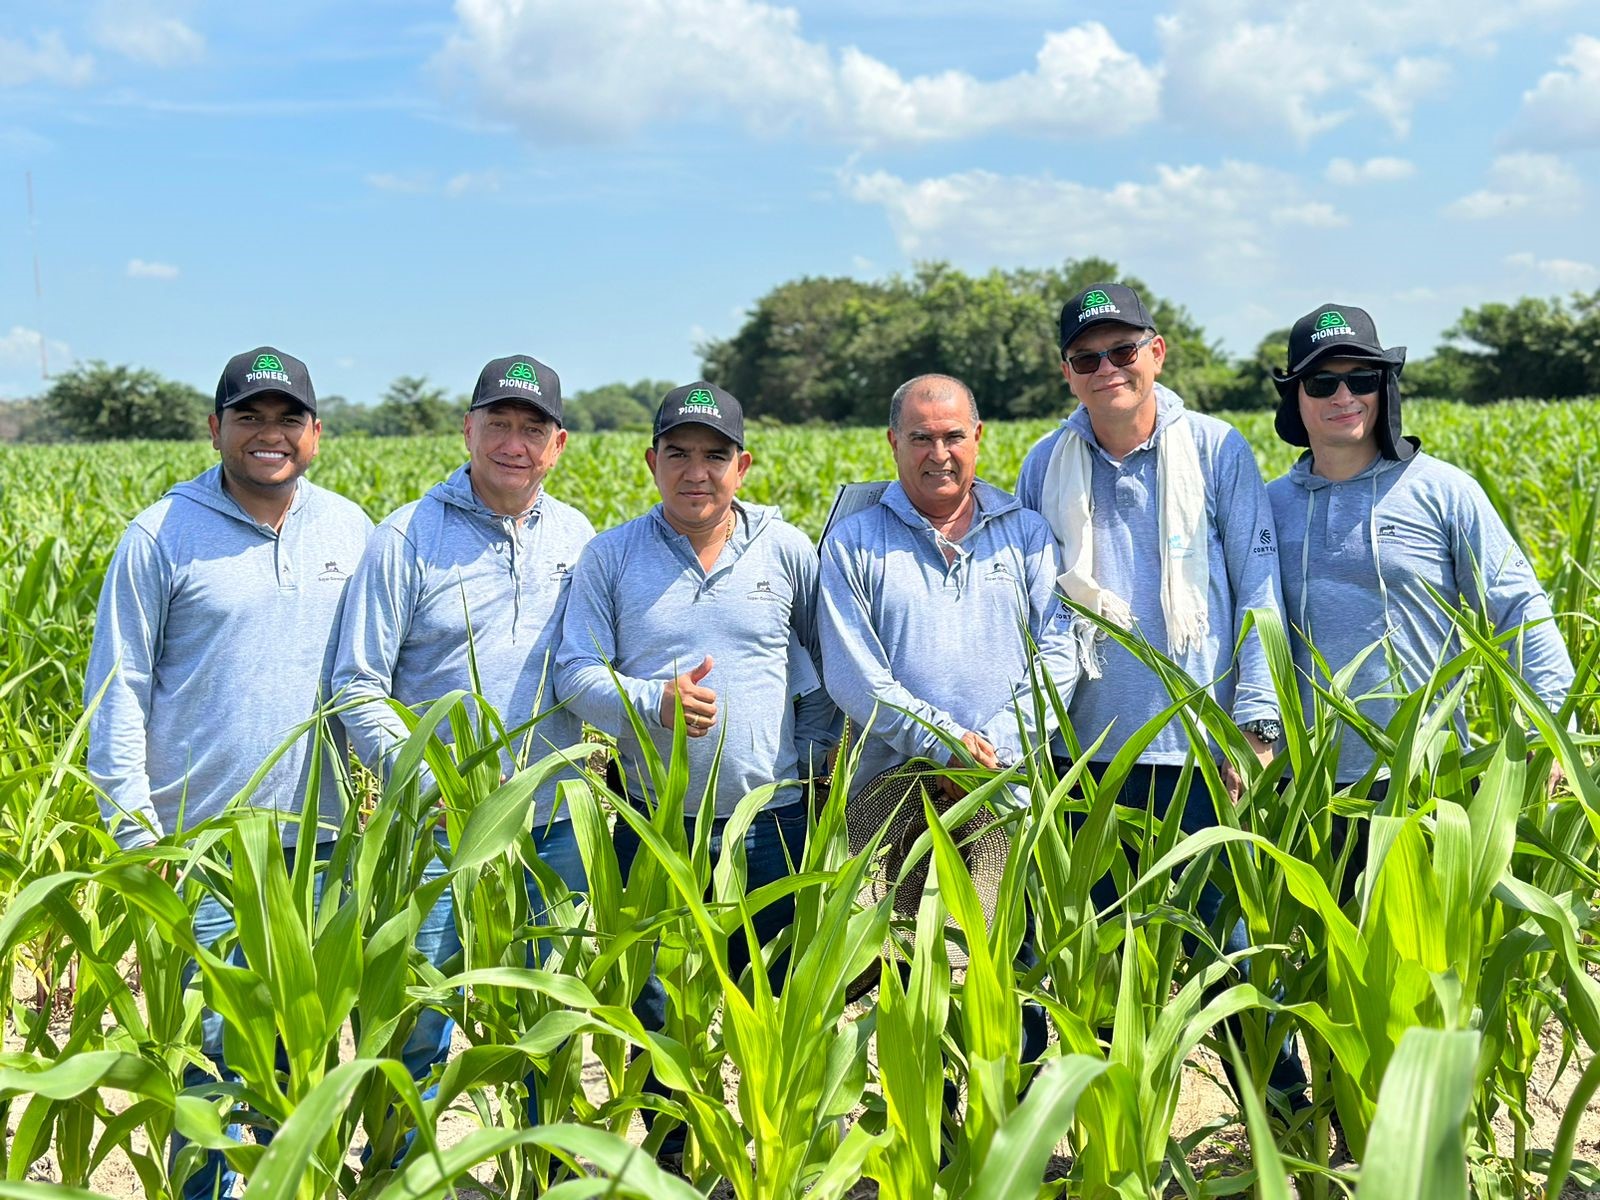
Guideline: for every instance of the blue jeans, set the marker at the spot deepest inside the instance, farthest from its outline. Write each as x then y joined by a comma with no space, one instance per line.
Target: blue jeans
1152,786
776,837
438,940
211,923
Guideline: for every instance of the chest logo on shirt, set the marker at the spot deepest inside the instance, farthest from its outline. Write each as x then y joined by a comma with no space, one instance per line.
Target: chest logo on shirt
332,573
763,591
561,572
1264,543
1387,530
999,573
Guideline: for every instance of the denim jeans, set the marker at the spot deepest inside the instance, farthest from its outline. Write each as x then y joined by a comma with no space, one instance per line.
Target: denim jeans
1152,786
212,922
776,837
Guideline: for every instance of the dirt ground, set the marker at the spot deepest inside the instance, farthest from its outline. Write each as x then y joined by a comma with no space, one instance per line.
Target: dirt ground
1204,1102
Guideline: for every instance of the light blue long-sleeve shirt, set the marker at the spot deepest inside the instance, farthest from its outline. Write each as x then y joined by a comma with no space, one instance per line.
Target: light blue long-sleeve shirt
910,640
1242,552
642,603
213,640
434,565
1358,558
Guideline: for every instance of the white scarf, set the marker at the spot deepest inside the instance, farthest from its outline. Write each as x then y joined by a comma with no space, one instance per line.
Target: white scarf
1067,501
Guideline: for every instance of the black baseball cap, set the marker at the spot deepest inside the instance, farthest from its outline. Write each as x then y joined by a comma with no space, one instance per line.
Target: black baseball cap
522,379
1102,304
701,403
1335,331
262,371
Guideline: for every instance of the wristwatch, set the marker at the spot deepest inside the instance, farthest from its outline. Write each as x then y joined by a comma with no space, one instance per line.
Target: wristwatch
1268,729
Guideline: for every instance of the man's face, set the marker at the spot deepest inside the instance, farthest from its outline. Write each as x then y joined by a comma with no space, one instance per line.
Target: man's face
1109,391
697,471
266,442
1344,418
512,448
936,447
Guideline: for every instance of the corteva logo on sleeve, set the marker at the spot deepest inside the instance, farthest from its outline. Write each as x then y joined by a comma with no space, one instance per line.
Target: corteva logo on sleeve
523,376
1332,324
1095,304
266,366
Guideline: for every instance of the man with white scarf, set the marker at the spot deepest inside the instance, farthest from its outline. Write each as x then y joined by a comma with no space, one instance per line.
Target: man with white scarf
1164,529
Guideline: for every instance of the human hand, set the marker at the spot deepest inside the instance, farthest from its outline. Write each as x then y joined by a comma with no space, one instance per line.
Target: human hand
699,703
981,750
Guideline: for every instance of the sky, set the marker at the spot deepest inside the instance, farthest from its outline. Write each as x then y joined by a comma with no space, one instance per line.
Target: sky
399,187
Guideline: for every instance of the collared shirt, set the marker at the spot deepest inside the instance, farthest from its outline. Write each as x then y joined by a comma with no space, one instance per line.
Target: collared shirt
643,607
213,641
437,568
911,640
1242,549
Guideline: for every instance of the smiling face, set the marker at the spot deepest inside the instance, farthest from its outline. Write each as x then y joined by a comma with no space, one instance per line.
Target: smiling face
512,447
1114,395
697,471
266,443
1343,421
936,448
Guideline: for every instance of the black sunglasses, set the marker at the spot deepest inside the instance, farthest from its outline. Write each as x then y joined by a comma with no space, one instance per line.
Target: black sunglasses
1087,362
1325,383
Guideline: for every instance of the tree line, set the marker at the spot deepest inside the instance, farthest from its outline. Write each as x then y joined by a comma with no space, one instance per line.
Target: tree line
831,350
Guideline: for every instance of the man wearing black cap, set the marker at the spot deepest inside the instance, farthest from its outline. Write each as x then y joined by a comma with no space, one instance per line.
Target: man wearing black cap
214,638
1370,526
465,589
708,603
1165,530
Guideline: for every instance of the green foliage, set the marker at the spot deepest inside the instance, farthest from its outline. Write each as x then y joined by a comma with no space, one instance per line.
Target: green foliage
412,407
615,406
834,350
99,403
1535,347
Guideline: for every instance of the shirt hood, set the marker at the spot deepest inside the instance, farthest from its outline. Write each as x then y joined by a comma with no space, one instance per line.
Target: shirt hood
1169,408
457,492
206,488
992,501
1302,476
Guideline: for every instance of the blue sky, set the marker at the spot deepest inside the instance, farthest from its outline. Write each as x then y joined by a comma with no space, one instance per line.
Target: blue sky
402,187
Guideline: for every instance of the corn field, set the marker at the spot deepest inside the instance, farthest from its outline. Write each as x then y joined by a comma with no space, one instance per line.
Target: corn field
1421,998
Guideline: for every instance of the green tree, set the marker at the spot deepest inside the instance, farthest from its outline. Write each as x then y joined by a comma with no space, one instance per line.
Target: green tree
412,407
1535,347
95,402
615,405
1248,383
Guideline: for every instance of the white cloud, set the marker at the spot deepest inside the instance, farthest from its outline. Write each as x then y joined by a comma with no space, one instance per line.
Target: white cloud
1563,273
472,182
144,33
1210,215
608,68
138,268
20,349
414,185
1303,67
1375,170
48,61
425,183
1523,184
1564,109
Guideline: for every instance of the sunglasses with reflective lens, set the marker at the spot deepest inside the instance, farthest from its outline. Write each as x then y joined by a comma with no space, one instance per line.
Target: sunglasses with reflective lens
1087,362
1325,383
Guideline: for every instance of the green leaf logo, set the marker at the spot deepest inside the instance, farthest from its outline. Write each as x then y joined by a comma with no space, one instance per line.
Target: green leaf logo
266,362
522,371
1096,298
1330,320
700,398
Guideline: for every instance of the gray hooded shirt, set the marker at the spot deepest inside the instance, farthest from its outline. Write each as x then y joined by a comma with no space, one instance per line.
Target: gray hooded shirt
642,605
434,565
1358,558
1241,550
213,641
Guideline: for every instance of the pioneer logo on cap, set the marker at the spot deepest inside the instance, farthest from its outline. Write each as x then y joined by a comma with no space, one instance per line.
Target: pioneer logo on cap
699,403
521,375
266,366
1332,324
1096,303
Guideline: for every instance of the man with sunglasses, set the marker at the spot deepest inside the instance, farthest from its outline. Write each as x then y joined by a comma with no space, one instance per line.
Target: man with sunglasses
1371,527
1165,531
